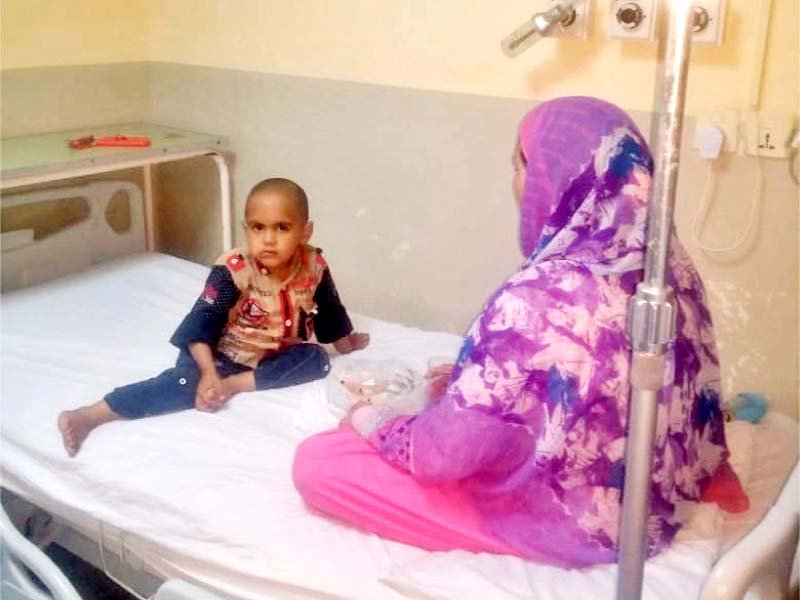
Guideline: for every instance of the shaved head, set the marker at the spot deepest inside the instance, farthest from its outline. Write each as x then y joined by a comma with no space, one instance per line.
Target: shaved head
286,187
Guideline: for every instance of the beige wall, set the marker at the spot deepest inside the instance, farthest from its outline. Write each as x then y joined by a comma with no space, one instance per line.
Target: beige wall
453,45
753,292
447,45
40,99
45,33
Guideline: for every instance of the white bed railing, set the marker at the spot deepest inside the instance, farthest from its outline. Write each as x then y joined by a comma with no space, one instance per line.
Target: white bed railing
760,564
19,557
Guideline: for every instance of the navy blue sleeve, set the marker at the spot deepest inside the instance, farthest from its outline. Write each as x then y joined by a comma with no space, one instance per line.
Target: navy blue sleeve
209,315
331,321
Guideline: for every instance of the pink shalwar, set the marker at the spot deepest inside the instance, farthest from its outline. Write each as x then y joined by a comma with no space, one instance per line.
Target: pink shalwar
340,474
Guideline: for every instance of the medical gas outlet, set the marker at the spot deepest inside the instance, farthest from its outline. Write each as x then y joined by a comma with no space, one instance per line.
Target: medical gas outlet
636,20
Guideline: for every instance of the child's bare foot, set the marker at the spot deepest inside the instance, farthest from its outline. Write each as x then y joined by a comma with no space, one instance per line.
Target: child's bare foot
76,425
240,382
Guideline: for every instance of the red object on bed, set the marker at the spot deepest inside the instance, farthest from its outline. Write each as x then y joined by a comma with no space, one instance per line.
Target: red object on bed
726,490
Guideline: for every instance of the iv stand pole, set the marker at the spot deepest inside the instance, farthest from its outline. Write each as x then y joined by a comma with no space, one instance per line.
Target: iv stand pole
651,312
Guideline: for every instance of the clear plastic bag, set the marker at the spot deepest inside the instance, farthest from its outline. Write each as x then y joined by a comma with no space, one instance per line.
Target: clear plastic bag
380,382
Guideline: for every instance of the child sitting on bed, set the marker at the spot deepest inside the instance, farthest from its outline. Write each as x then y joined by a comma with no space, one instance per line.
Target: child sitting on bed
249,328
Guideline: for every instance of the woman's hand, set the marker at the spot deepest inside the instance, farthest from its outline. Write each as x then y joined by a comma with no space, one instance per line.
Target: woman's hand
438,377
210,395
348,417
351,342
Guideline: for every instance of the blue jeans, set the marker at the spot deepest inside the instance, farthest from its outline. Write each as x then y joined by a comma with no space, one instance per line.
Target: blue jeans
175,388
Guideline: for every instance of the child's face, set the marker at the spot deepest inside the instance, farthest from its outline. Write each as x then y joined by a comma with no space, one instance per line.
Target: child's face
275,229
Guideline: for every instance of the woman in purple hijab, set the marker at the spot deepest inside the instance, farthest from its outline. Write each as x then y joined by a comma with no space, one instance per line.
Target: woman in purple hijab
524,453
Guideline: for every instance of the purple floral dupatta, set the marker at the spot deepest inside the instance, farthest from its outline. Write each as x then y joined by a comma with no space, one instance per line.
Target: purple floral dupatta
533,423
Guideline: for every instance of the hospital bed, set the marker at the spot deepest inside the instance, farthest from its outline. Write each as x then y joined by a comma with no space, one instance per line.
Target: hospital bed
208,499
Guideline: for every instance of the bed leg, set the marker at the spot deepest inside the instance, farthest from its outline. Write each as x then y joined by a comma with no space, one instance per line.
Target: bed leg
224,199
149,210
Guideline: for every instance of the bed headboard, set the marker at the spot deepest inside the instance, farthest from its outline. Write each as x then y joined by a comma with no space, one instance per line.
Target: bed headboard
98,221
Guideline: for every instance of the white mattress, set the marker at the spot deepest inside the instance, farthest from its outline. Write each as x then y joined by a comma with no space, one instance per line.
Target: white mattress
208,497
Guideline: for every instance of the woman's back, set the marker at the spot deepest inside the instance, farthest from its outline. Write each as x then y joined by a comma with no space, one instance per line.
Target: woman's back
531,431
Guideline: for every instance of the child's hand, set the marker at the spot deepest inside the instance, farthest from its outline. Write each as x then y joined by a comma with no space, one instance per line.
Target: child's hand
210,395
351,342
288,342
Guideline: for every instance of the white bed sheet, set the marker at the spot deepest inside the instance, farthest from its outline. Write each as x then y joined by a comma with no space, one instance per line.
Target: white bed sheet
208,497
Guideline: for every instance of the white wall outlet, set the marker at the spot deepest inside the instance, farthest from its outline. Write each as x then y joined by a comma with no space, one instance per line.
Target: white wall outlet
768,133
632,19
577,25
709,21
725,120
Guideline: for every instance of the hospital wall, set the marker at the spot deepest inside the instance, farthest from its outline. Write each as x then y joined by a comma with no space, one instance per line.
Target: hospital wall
399,122
446,45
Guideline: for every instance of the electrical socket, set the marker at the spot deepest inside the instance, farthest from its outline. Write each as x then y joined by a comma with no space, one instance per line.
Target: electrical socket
726,120
632,19
579,27
713,18
767,133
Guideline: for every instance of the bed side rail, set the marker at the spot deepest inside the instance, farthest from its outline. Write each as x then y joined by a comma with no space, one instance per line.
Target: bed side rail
761,562
17,555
